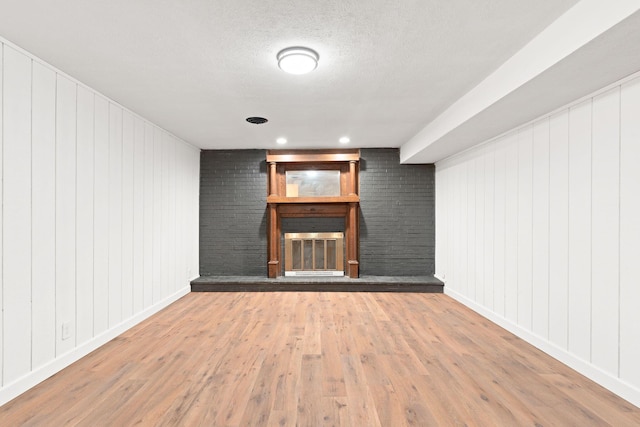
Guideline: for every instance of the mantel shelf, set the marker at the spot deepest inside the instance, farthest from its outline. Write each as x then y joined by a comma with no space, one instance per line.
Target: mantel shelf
339,199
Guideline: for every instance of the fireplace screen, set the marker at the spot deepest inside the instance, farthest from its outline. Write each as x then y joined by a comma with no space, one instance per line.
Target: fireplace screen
313,254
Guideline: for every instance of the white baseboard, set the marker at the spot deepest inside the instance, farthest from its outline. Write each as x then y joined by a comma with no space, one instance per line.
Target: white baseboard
614,384
22,384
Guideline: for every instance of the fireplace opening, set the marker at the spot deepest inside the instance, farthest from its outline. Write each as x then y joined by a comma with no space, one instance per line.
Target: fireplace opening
314,254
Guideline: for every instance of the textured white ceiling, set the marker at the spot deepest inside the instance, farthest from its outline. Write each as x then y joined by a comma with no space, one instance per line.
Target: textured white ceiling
198,68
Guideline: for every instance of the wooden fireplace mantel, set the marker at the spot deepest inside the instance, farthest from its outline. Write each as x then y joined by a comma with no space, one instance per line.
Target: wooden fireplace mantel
345,205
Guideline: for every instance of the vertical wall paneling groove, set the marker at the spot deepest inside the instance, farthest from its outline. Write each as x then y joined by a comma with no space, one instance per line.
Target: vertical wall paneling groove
470,229
447,180
180,266
127,214
43,221
171,146
499,224
511,229
81,199
454,274
479,228
489,207
179,270
463,243
559,228
193,224
156,244
167,218
540,230
187,230
181,230
186,220
446,234
65,215
580,230
138,216
450,235
629,315
165,214
84,212
605,201
180,203
115,215
101,217
149,193
525,193
440,246
561,210
16,221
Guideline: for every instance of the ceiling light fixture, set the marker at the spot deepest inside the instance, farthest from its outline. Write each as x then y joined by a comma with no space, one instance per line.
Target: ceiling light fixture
297,60
281,141
344,140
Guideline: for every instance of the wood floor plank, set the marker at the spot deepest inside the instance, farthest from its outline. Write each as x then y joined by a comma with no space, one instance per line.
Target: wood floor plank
314,359
311,411
332,375
362,409
389,408
262,394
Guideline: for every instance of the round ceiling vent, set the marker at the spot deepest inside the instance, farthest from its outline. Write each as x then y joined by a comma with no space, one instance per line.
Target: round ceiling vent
257,120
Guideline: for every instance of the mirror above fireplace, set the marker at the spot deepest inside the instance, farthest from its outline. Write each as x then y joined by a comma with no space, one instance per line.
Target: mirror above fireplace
312,183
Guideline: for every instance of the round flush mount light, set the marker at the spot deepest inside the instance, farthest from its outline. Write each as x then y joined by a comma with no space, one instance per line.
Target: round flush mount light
344,140
281,141
297,60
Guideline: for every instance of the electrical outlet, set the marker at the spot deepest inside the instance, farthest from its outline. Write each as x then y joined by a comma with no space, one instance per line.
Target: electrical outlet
66,330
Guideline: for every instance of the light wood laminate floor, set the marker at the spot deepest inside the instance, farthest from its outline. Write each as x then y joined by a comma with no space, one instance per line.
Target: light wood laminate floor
313,359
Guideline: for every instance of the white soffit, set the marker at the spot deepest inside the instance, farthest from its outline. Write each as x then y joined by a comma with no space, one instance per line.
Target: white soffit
592,45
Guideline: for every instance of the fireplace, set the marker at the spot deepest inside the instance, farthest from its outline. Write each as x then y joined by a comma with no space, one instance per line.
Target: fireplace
313,254
313,184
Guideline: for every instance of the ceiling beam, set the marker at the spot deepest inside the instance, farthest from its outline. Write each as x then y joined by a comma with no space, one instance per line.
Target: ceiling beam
546,66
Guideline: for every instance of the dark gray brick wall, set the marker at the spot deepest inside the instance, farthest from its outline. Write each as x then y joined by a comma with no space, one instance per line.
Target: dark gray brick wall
397,215
233,216
397,230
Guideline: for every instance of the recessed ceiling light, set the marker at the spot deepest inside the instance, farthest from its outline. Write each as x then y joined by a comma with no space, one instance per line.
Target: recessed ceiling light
281,141
344,140
297,60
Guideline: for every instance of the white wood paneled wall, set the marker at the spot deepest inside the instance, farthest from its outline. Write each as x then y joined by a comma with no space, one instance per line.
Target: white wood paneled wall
99,219
539,230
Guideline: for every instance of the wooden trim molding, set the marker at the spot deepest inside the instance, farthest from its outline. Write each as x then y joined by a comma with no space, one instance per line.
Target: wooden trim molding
341,199
312,156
